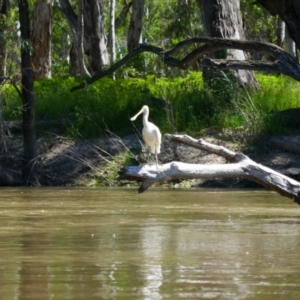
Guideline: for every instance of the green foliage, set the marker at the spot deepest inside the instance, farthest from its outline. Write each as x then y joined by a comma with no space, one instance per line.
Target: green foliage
10,103
104,105
251,117
277,93
106,175
165,23
61,43
259,24
181,104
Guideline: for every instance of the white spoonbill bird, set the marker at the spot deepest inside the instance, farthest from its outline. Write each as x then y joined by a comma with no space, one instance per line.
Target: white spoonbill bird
151,133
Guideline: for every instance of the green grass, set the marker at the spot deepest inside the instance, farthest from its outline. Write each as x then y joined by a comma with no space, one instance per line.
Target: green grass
176,104
277,93
106,175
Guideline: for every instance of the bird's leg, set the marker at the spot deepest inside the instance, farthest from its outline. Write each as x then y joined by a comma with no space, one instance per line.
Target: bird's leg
149,156
156,160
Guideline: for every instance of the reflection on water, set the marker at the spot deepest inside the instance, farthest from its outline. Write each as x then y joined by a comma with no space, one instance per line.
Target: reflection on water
163,244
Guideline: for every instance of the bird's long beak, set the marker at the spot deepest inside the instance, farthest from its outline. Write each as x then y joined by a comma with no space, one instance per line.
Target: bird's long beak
134,117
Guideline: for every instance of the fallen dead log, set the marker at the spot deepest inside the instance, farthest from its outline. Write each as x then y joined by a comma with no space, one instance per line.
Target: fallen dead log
240,166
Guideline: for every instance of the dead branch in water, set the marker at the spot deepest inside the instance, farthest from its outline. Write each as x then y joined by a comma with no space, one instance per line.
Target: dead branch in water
240,166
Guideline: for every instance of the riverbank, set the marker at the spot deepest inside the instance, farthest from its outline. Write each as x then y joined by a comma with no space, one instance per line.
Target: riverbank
65,162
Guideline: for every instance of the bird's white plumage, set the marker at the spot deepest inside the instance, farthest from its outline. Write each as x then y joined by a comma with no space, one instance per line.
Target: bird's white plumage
151,133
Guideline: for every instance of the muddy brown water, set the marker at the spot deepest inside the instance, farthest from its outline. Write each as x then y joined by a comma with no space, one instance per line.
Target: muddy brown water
60,243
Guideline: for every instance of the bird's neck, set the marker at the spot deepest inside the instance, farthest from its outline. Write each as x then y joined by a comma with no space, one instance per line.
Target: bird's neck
145,118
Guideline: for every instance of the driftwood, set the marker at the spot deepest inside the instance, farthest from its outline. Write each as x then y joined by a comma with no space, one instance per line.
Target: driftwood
239,166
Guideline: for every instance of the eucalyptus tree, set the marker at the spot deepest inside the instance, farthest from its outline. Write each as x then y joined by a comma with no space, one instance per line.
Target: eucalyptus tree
94,31
136,25
94,22
181,55
222,19
78,48
41,39
112,32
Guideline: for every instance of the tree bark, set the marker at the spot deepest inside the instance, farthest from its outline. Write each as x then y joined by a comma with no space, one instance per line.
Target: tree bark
29,135
222,19
136,24
112,33
79,47
41,39
95,35
240,166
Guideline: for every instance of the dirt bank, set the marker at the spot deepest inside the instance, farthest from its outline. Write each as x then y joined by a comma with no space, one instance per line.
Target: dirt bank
65,162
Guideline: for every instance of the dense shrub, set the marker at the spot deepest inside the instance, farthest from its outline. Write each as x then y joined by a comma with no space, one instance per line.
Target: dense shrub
176,104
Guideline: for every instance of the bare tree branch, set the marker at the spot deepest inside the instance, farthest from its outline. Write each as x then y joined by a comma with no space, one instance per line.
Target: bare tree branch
282,62
276,66
122,16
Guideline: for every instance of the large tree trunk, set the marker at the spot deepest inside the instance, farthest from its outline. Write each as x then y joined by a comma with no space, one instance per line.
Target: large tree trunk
79,47
222,19
136,24
29,136
95,35
41,39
